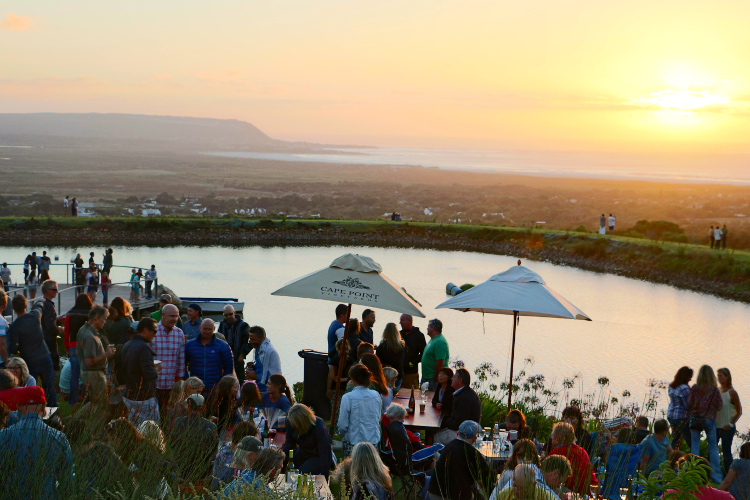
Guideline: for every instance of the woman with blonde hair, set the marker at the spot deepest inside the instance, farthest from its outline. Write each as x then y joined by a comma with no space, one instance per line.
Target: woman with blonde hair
177,406
20,369
369,476
307,436
704,402
151,431
563,440
391,351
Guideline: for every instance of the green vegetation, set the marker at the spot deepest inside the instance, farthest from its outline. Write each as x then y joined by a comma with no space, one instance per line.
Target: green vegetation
650,257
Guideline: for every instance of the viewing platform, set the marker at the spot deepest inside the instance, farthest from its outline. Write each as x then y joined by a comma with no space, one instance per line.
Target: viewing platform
67,292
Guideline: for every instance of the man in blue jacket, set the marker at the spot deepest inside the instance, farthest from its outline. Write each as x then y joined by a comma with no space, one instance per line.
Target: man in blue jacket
207,357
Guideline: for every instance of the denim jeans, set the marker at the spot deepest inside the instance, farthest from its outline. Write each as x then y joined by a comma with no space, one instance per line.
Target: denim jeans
726,437
42,370
713,449
680,431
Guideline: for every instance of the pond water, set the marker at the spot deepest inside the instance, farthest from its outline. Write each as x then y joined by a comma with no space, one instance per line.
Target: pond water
640,331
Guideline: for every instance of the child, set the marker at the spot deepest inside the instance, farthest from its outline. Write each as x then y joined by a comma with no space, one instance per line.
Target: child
656,447
390,375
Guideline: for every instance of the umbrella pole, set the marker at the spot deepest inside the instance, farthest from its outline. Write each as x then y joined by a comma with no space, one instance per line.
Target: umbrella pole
342,357
512,358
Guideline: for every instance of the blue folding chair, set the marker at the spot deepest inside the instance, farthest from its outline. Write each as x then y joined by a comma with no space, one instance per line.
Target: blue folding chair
622,462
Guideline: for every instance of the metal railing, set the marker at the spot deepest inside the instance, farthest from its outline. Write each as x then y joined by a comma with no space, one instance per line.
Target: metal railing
13,290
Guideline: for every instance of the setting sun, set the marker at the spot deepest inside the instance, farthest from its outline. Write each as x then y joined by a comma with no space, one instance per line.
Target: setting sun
684,100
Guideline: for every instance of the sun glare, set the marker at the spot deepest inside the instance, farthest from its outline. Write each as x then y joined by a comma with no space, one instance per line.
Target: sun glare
683,100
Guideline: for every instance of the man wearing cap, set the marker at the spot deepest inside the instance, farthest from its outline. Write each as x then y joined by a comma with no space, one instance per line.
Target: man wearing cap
25,337
237,333
207,357
150,276
466,406
194,441
169,348
165,299
35,456
140,374
461,467
192,328
267,360
93,351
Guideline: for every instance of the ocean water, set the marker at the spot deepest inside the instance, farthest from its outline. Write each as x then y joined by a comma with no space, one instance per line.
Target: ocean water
640,331
681,168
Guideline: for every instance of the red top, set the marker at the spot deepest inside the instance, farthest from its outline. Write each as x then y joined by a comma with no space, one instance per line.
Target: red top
582,475
66,336
708,493
11,397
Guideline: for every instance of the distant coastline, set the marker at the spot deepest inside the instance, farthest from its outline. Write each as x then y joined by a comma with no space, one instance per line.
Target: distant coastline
677,168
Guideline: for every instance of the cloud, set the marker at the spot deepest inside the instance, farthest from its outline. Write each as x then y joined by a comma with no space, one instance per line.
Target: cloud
14,22
163,76
53,87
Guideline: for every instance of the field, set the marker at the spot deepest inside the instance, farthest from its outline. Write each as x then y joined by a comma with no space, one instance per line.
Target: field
122,178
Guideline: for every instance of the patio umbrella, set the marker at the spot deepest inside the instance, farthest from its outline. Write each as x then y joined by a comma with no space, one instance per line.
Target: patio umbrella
517,291
354,279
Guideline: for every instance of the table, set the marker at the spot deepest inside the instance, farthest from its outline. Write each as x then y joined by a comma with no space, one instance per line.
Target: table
429,421
487,450
322,489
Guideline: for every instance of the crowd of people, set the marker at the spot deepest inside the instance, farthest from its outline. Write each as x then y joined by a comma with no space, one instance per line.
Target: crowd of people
161,405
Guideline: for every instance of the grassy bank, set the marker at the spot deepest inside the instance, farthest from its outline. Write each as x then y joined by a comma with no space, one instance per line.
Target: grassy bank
725,273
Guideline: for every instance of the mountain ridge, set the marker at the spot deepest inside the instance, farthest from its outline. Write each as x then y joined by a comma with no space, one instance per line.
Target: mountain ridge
194,131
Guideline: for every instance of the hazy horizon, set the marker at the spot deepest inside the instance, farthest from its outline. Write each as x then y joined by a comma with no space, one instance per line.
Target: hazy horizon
578,76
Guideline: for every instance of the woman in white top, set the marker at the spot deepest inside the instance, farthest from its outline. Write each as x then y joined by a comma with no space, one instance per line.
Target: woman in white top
359,417
728,415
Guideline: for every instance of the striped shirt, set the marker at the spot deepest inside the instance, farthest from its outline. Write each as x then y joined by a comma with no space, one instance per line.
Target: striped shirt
169,348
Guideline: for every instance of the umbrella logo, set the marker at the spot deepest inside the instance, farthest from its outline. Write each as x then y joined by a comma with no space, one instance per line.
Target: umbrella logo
350,282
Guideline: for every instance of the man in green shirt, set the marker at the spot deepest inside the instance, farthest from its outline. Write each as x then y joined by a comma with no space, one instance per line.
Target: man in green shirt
93,356
435,355
163,301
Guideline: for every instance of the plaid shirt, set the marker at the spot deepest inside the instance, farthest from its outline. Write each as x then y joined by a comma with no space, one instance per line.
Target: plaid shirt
678,402
169,348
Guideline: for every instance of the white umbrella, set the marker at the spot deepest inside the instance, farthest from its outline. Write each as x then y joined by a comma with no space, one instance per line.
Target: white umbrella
354,279
517,291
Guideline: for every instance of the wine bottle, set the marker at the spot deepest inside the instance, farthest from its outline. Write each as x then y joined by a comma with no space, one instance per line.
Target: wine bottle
412,403
266,436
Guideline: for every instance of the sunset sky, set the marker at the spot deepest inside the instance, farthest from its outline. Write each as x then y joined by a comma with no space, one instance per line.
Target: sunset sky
638,75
